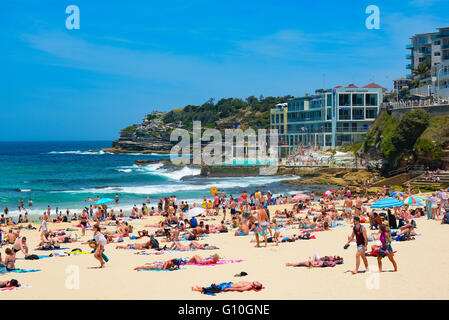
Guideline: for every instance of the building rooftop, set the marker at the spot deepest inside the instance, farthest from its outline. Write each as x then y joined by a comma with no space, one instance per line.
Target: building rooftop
374,85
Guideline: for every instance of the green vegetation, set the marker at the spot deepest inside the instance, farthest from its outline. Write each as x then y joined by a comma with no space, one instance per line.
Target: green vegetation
422,70
397,138
252,112
129,129
433,140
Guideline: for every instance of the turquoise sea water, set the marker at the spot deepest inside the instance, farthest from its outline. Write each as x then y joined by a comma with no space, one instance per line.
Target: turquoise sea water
65,174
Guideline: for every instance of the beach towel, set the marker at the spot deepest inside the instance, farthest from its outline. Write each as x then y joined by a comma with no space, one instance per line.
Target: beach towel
14,288
220,262
23,270
53,249
160,270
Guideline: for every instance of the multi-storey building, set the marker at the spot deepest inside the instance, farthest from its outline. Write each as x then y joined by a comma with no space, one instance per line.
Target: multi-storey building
334,117
434,48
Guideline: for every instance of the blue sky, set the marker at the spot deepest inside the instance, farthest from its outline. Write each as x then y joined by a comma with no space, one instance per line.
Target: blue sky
131,57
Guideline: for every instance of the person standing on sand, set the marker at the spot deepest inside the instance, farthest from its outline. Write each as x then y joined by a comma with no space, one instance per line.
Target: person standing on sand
101,242
359,232
347,207
262,220
84,220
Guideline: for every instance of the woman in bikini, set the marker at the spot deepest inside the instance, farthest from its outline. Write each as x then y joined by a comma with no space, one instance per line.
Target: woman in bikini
84,221
10,260
171,265
386,247
198,260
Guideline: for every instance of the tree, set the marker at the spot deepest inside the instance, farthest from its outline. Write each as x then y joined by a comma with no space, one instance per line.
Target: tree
422,71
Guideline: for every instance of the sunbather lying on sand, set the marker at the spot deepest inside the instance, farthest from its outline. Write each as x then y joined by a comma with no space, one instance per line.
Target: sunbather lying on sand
136,246
210,260
241,286
319,262
172,264
9,284
193,245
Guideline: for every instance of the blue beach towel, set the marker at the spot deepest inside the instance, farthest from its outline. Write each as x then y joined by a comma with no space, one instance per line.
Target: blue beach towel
24,270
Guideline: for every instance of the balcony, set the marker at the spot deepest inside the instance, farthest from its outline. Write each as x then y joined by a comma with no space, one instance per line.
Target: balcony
409,76
445,58
439,36
409,46
445,46
351,130
409,56
410,66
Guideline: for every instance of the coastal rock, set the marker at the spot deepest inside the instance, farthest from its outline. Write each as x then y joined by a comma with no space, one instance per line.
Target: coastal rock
151,136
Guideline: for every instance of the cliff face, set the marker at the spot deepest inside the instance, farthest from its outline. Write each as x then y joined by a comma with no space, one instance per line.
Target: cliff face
152,135
416,139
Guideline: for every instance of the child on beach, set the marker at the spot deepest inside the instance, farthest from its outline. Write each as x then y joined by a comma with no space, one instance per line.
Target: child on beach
100,241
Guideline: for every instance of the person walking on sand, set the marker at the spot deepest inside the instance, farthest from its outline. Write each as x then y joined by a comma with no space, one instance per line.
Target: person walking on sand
262,220
359,232
386,247
101,242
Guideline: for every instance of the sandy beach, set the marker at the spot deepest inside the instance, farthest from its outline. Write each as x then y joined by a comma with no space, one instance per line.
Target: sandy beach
422,265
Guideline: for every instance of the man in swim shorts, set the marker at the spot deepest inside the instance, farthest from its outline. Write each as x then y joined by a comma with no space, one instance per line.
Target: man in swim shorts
359,232
262,220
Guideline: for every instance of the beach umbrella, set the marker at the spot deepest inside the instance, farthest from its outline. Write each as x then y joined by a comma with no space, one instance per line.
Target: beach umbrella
394,194
328,193
196,211
414,201
103,200
443,195
239,199
387,203
299,197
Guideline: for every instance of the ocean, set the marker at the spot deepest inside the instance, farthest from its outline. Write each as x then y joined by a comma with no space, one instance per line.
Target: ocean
65,174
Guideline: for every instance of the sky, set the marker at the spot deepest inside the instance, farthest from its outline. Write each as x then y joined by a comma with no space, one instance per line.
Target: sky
129,58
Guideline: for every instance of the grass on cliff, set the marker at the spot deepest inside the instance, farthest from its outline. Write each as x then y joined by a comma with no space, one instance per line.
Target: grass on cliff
397,138
434,139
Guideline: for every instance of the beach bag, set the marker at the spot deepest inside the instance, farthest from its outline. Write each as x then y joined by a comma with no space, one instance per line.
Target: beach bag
382,253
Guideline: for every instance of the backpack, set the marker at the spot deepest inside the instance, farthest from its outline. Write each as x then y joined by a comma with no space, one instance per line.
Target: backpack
154,244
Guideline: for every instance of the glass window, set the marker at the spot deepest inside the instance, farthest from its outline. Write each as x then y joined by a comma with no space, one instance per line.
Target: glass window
358,99
329,113
344,114
371,99
329,100
344,99
371,113
357,114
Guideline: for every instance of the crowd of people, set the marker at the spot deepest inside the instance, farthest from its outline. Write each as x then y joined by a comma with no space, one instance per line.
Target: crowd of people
248,214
